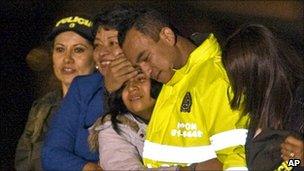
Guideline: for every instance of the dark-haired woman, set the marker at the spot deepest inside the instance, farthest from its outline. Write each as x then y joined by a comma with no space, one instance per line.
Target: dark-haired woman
267,79
121,133
72,55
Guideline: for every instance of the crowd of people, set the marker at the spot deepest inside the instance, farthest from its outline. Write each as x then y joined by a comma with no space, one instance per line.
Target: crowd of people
135,95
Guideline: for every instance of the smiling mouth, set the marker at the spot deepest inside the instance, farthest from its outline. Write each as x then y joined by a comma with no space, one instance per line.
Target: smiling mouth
105,62
67,70
135,98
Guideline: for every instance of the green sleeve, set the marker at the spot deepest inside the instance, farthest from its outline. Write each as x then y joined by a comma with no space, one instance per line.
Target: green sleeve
24,147
28,151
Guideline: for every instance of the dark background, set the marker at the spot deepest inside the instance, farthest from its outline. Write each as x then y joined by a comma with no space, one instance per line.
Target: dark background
25,24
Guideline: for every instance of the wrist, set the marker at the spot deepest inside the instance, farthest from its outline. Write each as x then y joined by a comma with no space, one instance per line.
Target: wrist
108,92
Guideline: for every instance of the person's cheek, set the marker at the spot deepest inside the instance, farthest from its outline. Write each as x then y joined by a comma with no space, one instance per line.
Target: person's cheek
124,97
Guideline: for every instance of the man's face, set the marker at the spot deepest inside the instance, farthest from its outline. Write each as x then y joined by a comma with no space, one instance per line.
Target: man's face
156,59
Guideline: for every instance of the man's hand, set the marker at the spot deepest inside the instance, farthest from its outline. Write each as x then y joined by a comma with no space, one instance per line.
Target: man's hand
212,164
292,148
117,72
91,167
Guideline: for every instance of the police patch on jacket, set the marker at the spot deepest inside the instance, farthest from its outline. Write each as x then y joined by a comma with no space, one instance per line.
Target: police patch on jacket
186,104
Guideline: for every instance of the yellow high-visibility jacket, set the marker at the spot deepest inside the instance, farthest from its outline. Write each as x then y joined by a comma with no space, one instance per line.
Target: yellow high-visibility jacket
192,120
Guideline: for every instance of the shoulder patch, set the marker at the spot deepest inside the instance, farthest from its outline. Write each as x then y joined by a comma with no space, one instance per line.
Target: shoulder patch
186,104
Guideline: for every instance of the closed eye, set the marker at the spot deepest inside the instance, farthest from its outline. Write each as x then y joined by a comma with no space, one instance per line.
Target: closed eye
146,58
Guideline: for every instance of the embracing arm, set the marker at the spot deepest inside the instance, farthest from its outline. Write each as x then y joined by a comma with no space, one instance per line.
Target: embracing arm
58,149
212,164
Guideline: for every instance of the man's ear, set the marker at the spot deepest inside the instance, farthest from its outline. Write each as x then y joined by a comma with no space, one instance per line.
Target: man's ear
167,35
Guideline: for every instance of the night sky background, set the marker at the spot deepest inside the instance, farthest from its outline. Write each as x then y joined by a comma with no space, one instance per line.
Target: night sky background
25,24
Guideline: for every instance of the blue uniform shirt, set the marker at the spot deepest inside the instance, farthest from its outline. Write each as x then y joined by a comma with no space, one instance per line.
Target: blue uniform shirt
65,146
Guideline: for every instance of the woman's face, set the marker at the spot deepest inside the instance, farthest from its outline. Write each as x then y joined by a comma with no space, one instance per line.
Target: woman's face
106,48
72,56
136,96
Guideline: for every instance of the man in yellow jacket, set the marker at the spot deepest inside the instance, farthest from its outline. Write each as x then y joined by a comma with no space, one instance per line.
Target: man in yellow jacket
192,124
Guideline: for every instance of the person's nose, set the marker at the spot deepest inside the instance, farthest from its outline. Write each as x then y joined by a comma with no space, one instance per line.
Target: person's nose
133,85
117,53
68,56
146,68
100,53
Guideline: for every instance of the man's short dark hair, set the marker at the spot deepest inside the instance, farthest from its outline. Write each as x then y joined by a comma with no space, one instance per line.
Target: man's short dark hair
147,21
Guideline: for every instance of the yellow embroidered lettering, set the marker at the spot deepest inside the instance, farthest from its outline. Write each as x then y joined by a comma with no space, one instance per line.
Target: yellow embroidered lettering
73,21
72,25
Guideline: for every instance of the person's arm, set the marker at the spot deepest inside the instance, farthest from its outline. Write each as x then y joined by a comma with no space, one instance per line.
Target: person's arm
212,164
115,74
58,149
24,147
116,152
227,127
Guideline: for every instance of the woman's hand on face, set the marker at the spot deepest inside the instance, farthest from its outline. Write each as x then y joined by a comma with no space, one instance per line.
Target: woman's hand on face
117,73
292,148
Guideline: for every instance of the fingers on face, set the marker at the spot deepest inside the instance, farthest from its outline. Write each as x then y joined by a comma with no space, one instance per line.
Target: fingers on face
285,152
118,61
113,63
294,141
126,69
123,67
127,76
131,75
121,70
290,151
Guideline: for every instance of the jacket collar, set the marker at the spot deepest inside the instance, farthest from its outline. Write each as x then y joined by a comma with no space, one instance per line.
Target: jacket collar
208,49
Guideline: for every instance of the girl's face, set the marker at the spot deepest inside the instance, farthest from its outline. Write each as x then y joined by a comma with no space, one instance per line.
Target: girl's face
72,56
136,96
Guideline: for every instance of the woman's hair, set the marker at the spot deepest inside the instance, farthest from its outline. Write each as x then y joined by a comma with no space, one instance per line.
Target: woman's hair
112,18
117,108
264,73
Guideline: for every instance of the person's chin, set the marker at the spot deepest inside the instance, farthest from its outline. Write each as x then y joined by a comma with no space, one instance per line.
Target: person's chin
68,79
137,108
165,77
163,80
